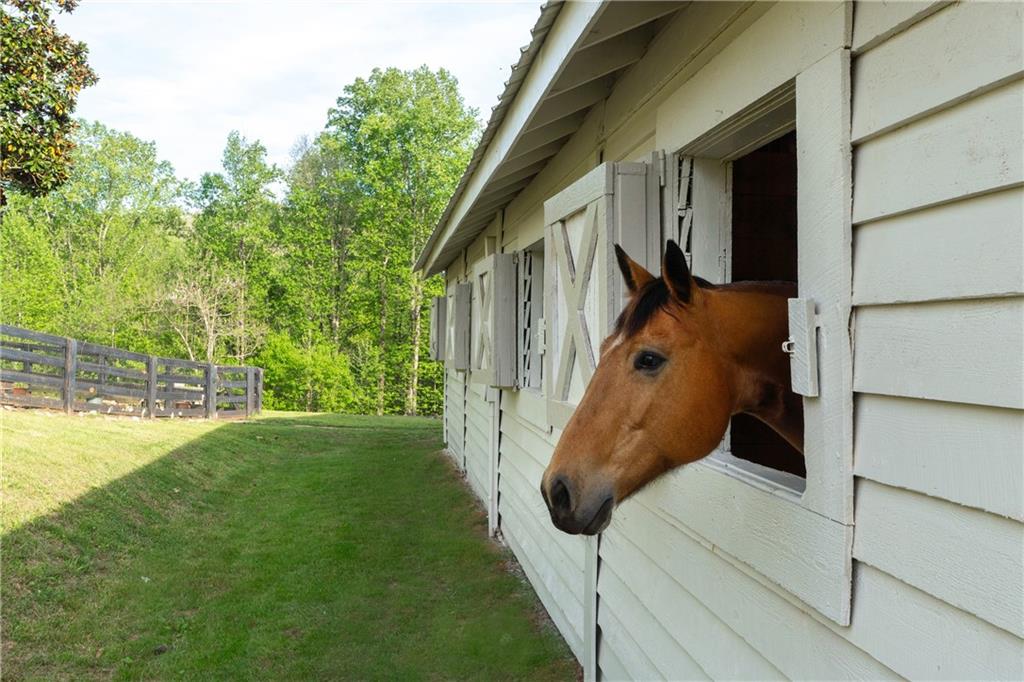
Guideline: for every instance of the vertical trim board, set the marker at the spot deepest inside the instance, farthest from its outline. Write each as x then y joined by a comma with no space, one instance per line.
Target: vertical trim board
825,271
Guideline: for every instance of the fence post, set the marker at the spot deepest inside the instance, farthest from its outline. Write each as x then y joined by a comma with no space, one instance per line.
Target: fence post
211,391
250,391
259,390
151,386
70,370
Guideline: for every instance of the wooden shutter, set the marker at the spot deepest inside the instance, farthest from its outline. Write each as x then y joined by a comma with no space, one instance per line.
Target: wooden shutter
459,301
438,327
494,309
614,203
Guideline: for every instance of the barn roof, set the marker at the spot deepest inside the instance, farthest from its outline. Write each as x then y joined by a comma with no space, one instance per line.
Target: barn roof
576,53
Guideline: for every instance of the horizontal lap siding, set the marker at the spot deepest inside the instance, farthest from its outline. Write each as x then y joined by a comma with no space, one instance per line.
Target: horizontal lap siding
937,284
775,626
969,454
556,560
938,327
957,351
455,406
966,557
721,653
478,440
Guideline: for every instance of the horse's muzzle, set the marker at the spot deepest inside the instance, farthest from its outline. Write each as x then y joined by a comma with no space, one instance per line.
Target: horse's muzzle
574,513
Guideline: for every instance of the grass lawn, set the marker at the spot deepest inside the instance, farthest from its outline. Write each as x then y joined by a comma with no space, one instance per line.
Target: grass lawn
288,547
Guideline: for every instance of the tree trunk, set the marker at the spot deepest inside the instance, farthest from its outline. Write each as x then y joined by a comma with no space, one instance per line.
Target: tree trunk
381,369
414,376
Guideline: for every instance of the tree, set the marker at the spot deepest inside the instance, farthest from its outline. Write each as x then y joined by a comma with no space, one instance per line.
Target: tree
313,234
234,230
206,307
100,244
406,137
43,71
315,379
30,276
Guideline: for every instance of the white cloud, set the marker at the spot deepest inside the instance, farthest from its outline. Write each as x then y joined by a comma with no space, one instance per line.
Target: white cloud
187,73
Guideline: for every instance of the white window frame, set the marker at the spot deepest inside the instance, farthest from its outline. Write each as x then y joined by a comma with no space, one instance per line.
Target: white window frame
797,533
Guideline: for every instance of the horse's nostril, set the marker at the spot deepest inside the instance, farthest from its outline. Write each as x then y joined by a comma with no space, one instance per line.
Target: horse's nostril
561,500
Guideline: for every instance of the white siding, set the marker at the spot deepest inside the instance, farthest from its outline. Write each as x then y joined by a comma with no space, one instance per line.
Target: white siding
939,428
968,454
455,413
556,559
478,439
939,337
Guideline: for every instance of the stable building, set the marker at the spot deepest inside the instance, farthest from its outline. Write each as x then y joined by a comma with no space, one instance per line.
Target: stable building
869,151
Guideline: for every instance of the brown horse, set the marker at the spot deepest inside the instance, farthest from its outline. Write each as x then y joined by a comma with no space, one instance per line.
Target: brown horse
685,355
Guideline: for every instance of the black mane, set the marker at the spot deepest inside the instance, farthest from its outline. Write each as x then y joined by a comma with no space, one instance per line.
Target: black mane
654,296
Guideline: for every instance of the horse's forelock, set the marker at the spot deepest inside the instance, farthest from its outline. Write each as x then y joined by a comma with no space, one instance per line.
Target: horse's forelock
642,306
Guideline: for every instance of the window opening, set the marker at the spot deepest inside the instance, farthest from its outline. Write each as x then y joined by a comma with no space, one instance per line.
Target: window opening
764,247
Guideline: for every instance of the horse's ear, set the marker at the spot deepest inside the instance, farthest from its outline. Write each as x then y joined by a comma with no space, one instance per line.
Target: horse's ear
676,273
634,273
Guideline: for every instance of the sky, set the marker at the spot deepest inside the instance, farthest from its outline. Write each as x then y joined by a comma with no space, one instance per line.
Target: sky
185,74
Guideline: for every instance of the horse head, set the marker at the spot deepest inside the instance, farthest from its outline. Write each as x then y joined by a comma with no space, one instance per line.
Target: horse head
683,357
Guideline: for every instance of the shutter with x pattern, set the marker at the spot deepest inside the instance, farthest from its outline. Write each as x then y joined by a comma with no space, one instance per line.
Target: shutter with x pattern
616,203
494,312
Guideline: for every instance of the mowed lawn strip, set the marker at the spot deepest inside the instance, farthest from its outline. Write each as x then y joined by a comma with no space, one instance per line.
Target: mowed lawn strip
288,547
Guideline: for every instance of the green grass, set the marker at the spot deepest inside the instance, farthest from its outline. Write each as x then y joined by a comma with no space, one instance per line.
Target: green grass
289,547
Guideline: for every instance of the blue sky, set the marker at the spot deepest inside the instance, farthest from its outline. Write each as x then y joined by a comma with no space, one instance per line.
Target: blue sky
184,74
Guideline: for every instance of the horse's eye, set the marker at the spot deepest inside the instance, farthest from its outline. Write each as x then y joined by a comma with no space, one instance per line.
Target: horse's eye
646,361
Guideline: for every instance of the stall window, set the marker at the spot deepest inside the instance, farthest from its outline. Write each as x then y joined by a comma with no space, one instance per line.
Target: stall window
763,247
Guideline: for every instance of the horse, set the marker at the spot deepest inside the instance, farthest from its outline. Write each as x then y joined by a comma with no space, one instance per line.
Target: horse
684,356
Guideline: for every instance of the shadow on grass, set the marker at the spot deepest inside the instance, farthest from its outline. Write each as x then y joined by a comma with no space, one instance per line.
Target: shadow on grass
315,546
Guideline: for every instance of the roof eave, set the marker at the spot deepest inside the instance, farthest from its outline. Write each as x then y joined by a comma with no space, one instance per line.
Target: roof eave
558,32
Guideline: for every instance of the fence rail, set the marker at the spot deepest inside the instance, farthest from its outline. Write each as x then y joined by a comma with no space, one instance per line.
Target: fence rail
43,370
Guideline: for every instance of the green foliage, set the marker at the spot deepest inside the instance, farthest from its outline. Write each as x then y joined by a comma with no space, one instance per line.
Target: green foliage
317,379
104,242
233,231
42,72
318,287
406,137
30,276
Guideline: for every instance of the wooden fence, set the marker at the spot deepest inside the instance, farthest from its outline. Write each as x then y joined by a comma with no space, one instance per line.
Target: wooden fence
43,370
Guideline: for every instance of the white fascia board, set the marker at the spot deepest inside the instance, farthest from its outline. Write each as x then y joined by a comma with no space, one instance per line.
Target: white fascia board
570,28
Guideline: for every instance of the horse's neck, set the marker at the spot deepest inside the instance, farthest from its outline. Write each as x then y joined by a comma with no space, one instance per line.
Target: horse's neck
754,322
